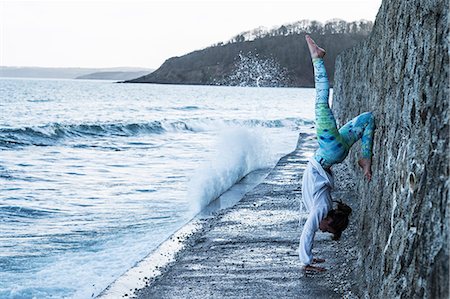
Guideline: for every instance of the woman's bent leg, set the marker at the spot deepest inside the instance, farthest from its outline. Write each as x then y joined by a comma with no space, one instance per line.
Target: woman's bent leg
361,127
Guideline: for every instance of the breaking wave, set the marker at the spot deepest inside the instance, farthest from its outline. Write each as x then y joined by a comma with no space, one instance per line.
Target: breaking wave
53,133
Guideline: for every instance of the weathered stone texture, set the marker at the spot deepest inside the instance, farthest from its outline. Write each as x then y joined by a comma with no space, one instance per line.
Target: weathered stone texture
401,74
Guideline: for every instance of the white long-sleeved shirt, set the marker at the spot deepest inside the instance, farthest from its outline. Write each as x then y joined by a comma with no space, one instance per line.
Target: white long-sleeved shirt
316,186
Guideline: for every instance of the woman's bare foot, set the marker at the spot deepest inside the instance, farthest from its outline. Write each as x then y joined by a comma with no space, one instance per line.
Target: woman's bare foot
314,49
366,165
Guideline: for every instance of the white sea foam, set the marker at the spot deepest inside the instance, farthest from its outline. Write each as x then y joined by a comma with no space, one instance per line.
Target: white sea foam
238,152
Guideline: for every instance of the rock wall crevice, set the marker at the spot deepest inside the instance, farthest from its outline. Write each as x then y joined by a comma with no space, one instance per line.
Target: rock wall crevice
400,73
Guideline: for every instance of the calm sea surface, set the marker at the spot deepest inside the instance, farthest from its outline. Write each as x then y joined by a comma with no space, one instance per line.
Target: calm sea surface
94,175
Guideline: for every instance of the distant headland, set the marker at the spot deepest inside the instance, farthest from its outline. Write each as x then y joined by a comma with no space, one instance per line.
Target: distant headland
113,73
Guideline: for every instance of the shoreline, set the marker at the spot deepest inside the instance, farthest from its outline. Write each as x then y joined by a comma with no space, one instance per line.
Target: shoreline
247,250
165,253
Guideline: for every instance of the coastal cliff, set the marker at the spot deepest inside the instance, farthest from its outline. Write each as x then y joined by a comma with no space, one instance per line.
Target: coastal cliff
276,60
400,73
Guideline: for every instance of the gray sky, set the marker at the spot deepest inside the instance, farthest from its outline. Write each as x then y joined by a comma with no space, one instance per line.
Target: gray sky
145,33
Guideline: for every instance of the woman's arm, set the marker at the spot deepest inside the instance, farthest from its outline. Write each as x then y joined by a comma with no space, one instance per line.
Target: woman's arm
309,230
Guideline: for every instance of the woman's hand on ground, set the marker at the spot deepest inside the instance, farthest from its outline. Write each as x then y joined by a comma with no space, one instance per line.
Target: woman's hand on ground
318,261
310,268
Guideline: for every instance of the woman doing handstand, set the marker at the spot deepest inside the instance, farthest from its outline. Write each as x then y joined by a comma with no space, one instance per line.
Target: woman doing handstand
334,146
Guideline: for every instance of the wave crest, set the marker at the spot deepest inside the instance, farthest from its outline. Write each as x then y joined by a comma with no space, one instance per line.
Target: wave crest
51,134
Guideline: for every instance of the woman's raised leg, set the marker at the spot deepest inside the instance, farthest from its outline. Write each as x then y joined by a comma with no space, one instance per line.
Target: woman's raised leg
331,147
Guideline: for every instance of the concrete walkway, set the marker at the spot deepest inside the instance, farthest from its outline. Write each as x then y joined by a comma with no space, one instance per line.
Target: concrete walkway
250,250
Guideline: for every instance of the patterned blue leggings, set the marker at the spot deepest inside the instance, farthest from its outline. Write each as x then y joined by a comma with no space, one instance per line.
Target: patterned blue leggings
335,144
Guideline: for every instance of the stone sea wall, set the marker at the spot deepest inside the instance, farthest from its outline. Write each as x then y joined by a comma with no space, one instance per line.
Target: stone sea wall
400,73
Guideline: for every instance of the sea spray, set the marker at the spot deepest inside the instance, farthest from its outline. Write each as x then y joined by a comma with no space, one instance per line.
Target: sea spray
238,152
254,70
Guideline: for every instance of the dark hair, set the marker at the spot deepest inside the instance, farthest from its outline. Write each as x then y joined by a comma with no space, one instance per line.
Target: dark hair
339,218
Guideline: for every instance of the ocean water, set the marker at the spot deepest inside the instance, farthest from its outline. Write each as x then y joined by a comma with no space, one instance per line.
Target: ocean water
94,175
